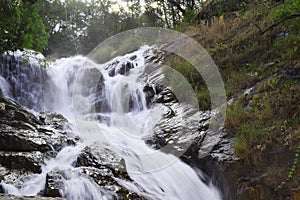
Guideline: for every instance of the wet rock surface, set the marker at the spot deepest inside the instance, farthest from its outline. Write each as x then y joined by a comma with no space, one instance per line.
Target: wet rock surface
184,132
27,140
16,70
105,168
22,131
30,161
11,197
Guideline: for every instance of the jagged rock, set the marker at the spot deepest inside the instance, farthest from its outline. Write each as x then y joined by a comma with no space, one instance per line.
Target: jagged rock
26,139
166,96
95,156
101,104
13,176
30,74
156,57
178,129
104,166
30,161
11,197
54,183
149,93
57,181
22,131
191,139
123,69
220,165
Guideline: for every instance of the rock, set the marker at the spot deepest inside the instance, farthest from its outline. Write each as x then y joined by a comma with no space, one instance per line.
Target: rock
30,161
156,57
178,129
13,176
30,74
126,68
104,167
26,139
11,197
149,93
292,71
101,104
220,165
21,131
95,156
54,183
2,106
237,180
166,96
269,64
120,69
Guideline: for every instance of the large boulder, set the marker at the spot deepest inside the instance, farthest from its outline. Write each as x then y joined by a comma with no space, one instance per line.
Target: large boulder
105,167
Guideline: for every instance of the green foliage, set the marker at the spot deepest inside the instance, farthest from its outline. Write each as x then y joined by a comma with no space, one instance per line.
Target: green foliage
174,12
77,27
34,36
284,10
188,16
219,4
22,27
203,98
277,98
292,170
192,78
150,19
235,116
187,70
288,7
274,101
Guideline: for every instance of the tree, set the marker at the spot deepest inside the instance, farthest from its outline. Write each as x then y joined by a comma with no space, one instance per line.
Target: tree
66,22
173,12
77,27
22,27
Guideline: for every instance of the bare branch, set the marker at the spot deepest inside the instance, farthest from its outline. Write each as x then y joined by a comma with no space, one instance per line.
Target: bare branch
277,23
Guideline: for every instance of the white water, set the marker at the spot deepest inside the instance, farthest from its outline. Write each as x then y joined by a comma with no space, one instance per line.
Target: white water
5,87
156,175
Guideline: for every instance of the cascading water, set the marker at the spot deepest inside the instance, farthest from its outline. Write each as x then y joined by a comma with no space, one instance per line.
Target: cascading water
23,78
108,106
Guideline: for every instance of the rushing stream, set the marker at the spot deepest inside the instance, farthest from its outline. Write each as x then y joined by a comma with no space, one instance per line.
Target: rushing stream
108,107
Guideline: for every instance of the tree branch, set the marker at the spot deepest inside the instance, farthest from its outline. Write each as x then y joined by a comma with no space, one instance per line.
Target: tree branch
177,5
277,23
272,6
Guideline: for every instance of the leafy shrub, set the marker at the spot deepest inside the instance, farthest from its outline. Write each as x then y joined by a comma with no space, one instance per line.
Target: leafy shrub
22,27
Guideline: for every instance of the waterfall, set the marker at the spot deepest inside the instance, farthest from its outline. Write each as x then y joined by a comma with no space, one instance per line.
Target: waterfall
24,75
109,108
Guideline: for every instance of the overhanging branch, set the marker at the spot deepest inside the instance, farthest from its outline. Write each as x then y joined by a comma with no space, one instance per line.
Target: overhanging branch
277,23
